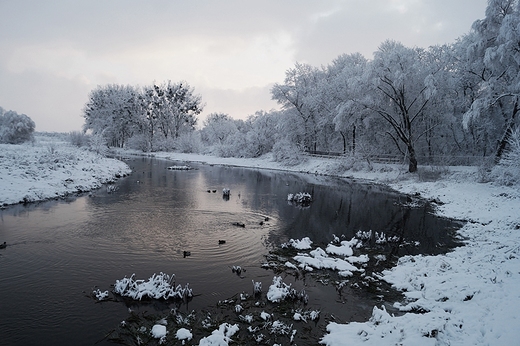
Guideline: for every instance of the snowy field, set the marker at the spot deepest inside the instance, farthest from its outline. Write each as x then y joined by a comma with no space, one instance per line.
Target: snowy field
467,297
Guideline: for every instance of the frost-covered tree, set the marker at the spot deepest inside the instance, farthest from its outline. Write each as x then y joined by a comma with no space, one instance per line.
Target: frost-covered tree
262,132
172,108
299,93
218,127
493,51
399,86
114,113
345,87
15,128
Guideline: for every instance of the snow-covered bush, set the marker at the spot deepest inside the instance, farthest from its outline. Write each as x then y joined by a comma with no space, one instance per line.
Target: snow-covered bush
98,144
139,142
15,128
160,143
507,172
79,139
288,153
189,142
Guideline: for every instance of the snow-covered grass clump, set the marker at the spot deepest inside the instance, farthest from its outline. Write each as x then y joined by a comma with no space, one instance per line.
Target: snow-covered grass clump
180,168
221,336
379,237
279,291
158,286
100,295
299,244
302,198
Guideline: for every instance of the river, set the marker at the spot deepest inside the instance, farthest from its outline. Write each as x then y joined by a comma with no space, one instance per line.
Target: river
60,251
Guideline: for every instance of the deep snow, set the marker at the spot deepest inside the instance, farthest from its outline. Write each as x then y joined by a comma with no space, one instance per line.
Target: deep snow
470,296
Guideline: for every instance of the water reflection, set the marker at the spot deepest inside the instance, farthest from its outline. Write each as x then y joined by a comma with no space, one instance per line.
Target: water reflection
59,251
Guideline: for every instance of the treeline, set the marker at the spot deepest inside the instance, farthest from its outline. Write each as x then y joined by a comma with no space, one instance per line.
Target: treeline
148,118
424,104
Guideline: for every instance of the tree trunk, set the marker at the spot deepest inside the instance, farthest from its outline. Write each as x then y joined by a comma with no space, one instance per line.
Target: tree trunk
507,134
412,165
344,142
354,139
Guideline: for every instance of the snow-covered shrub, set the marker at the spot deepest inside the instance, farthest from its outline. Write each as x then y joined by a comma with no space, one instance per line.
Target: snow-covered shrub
484,171
98,144
15,128
160,143
138,142
189,142
507,172
432,173
79,139
288,153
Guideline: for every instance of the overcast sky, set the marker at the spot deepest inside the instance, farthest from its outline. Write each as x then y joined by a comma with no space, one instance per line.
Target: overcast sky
52,53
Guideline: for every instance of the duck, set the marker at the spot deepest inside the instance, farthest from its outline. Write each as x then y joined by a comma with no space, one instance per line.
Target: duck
3,246
221,242
186,253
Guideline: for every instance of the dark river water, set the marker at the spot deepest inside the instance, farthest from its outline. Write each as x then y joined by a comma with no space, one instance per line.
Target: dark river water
60,251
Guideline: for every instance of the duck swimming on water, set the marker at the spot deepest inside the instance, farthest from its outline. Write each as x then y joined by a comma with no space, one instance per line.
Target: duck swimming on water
3,246
186,253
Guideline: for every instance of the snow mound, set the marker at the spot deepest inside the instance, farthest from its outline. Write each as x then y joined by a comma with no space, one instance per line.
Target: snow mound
300,244
319,259
221,336
184,334
158,331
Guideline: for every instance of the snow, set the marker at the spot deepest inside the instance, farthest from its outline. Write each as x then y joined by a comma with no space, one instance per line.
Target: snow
100,295
469,296
301,244
471,293
158,331
158,286
184,334
319,259
51,168
221,336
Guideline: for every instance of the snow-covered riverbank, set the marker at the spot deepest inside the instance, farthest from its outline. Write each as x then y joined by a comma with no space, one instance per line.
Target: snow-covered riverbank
51,168
468,297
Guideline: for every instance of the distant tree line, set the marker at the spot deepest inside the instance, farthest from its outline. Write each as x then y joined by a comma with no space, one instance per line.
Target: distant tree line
422,104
